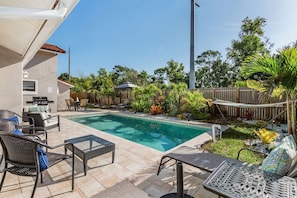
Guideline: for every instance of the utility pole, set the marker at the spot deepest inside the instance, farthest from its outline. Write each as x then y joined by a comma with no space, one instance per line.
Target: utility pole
69,63
192,49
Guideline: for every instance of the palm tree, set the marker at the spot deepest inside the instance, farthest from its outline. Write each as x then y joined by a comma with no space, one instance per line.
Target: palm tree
276,74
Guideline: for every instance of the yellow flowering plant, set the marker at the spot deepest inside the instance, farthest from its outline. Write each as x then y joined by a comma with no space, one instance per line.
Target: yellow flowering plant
266,136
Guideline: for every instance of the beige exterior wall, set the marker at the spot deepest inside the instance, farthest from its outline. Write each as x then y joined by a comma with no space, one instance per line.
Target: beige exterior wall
43,69
63,93
11,86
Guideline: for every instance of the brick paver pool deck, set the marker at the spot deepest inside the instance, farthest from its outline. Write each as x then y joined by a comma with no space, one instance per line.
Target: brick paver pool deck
134,163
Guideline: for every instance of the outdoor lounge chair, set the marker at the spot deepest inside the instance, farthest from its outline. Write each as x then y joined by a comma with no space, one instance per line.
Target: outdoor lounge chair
228,173
42,122
21,154
194,157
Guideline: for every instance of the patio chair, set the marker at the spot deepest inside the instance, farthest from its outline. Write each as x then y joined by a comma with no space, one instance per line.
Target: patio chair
22,157
84,103
69,103
42,121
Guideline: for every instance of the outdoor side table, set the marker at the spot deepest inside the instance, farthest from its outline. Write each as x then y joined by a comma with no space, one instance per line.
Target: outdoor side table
90,146
238,179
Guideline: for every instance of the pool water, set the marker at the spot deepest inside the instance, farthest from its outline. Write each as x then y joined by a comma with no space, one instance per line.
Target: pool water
155,134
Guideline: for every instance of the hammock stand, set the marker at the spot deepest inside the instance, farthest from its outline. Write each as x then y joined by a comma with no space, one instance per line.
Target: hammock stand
218,102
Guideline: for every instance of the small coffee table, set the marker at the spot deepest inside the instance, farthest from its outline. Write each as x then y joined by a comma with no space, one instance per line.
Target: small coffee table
90,146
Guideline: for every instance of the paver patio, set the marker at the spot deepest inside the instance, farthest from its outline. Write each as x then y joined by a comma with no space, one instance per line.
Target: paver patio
134,163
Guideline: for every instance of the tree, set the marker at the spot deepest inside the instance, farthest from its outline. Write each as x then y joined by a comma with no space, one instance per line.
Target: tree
159,76
64,77
174,72
277,74
212,70
251,41
122,74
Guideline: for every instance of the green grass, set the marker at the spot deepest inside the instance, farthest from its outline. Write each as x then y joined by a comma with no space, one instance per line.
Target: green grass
233,141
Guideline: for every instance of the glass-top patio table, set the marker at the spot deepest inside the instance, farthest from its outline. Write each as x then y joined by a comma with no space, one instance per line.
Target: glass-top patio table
90,146
239,179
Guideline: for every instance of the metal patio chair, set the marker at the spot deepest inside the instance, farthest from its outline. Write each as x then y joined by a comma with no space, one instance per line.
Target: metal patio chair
21,157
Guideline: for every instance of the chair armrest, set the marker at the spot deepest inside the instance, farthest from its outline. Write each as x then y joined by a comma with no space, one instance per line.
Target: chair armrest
39,141
250,149
51,117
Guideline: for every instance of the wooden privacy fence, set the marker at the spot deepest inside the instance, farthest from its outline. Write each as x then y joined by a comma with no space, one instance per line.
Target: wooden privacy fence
238,95
243,95
94,98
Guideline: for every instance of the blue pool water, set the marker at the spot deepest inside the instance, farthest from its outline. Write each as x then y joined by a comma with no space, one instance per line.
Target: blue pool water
159,135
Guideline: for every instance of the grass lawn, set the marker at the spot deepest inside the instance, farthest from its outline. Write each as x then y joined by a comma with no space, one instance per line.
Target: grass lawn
233,141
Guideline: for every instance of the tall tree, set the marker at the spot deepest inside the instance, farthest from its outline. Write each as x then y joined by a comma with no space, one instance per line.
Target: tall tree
122,74
174,72
251,41
212,70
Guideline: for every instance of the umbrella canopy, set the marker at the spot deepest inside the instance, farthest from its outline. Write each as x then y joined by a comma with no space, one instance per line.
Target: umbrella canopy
126,85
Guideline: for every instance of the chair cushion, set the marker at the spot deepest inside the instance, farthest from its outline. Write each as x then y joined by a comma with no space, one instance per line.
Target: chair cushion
42,157
45,116
33,108
281,157
43,108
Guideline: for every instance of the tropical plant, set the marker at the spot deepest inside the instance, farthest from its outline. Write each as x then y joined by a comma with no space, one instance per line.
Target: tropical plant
195,104
145,97
266,136
277,75
156,109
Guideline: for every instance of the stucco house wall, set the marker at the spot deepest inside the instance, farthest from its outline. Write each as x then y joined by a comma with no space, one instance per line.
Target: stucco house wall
63,93
43,69
11,97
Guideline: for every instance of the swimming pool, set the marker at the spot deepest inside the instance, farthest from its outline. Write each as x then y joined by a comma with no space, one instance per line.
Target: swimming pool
159,135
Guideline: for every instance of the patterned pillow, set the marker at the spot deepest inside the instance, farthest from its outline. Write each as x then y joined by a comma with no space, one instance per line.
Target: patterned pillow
280,158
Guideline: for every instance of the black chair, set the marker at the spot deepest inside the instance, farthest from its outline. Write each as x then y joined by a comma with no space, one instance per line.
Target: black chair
21,156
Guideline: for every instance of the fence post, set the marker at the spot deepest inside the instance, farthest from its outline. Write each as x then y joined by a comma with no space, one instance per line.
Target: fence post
237,100
213,96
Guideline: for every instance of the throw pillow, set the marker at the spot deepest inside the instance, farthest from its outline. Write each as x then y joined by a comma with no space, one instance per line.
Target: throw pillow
42,157
17,132
14,119
280,158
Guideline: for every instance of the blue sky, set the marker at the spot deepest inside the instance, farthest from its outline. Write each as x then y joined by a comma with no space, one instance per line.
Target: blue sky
145,35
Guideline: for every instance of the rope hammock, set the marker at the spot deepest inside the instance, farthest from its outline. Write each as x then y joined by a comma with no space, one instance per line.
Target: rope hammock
243,105
218,102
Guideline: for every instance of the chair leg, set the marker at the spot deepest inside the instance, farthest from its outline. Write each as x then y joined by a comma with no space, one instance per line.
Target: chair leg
41,177
2,157
72,168
3,177
35,185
